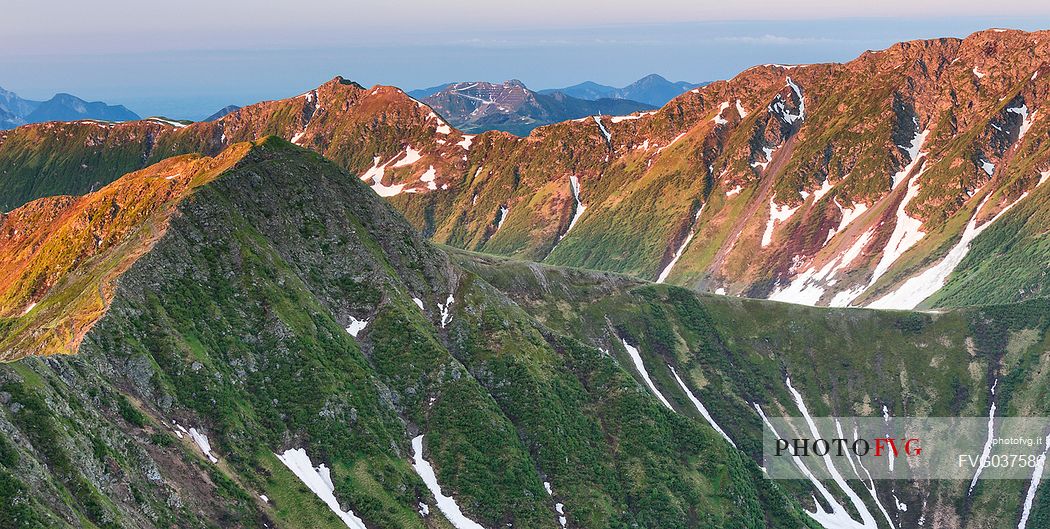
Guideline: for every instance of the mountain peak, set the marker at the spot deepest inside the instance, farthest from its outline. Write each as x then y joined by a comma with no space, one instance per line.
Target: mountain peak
512,107
339,80
653,89
652,77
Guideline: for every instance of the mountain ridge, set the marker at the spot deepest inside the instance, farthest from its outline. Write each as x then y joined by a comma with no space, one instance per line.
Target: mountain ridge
763,180
652,89
290,325
475,107
15,111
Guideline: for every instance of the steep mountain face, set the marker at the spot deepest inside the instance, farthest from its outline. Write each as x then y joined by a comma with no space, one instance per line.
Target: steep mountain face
222,112
423,93
652,89
72,249
864,183
876,182
66,107
286,351
15,111
511,107
273,345
9,120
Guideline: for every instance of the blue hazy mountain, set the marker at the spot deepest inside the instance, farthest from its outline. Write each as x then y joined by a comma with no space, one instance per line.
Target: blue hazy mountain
15,111
652,89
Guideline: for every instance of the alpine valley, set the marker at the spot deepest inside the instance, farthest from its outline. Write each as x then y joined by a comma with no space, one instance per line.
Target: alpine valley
338,310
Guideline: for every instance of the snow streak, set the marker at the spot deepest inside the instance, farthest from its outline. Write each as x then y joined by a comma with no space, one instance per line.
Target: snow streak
637,359
446,504
681,249
700,407
319,481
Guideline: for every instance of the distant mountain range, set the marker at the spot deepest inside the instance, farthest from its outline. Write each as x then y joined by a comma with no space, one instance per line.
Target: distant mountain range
652,89
222,112
423,93
512,107
16,111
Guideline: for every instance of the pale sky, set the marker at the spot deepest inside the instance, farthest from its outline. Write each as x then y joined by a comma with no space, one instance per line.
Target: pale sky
187,58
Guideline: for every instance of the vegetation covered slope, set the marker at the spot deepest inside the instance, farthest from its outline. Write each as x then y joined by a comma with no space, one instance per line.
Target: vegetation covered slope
72,249
736,354
238,336
828,184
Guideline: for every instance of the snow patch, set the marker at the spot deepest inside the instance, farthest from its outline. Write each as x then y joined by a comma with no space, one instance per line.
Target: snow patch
1037,476
700,407
740,110
411,156
1026,120
848,216
901,506
839,517
801,100
376,174
203,444
356,326
574,184
806,288
631,117
916,289
446,310
718,119
164,121
447,505
319,481
987,451
776,214
601,127
501,216
466,141
429,177
977,73
734,191
914,150
769,158
681,248
824,189
907,231
418,302
779,108
674,141
636,358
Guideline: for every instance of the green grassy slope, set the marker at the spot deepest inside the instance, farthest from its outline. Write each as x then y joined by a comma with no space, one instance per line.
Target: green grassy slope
233,324
735,353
